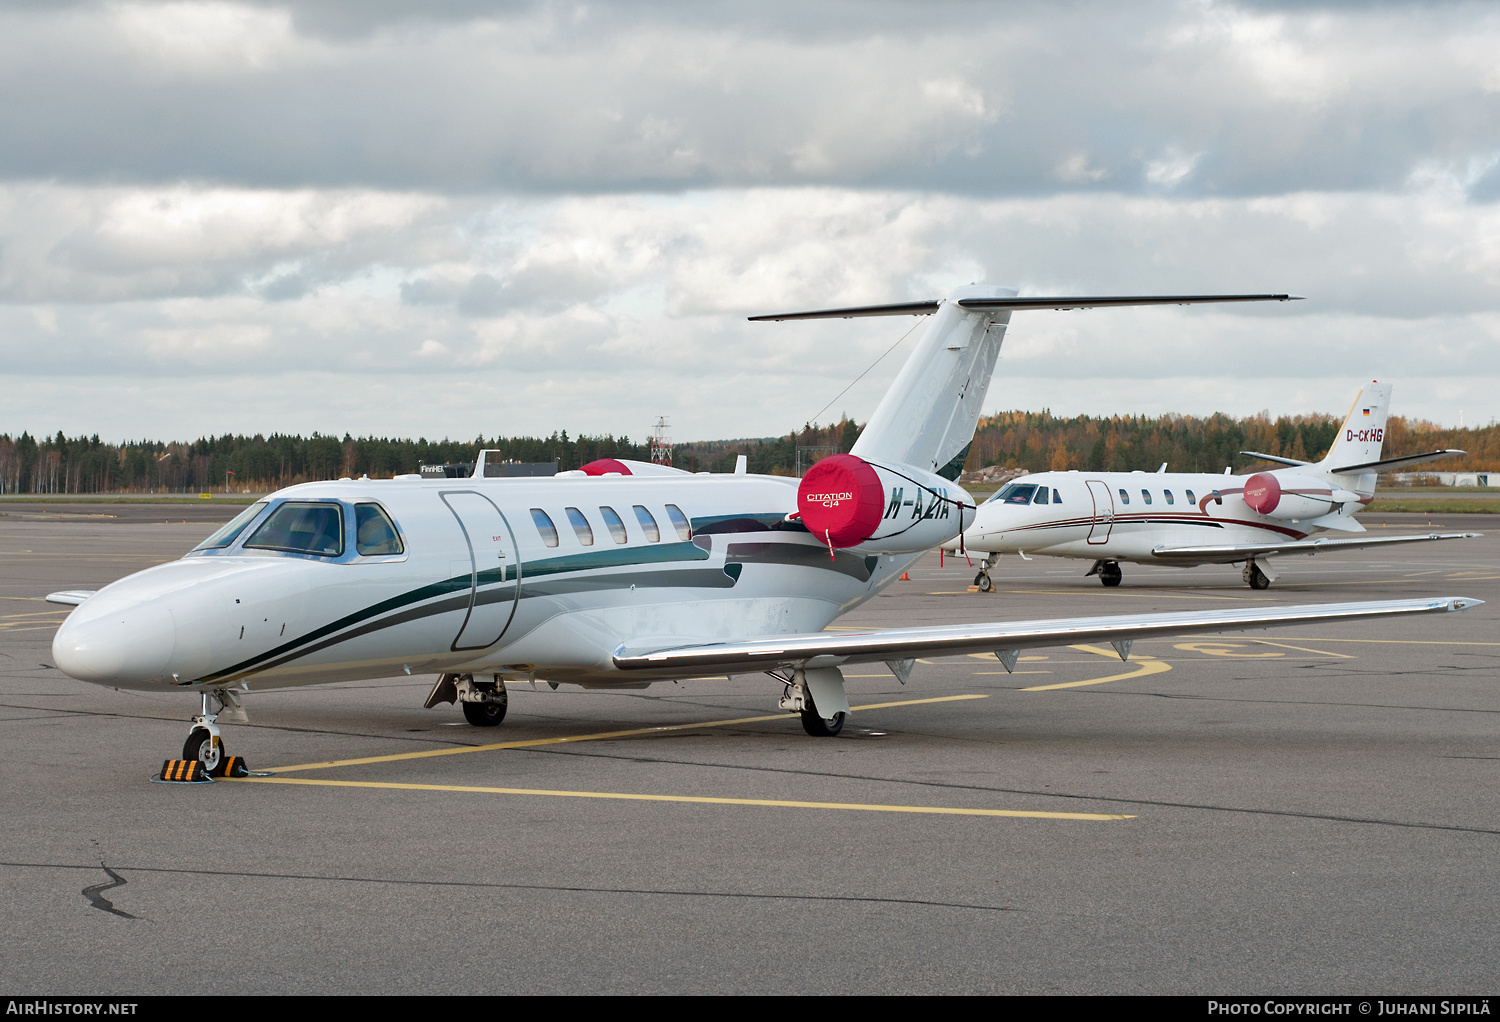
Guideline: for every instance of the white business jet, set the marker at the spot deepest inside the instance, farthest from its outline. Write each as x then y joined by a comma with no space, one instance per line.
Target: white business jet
615,576
1186,519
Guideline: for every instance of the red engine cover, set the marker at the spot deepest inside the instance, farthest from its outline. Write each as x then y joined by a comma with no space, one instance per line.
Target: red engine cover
1262,493
841,500
603,465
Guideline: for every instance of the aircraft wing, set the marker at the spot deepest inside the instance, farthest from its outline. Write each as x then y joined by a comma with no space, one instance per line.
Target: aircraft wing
830,649
1403,462
1231,552
71,597
1081,302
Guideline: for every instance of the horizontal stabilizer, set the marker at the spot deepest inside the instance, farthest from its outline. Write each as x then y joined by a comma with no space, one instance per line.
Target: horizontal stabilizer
1229,553
997,304
70,597
1272,457
825,649
1390,463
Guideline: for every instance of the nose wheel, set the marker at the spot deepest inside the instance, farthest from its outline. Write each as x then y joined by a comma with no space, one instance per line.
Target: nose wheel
206,747
982,582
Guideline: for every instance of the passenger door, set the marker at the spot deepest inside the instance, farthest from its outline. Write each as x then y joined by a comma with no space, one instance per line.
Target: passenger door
1104,511
494,570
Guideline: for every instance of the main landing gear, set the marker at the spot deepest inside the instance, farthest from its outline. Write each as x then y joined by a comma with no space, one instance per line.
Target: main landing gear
1257,577
1108,571
484,702
982,580
805,688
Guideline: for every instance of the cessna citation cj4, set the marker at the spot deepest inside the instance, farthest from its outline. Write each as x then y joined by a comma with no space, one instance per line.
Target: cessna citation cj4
1182,519
615,576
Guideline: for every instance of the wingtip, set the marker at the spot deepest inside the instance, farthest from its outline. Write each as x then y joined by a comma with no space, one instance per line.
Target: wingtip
1296,298
1463,603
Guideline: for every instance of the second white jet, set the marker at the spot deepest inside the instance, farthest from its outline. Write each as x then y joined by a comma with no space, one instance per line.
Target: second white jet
1185,519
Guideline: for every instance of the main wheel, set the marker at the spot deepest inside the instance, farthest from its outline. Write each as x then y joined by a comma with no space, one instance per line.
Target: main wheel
200,746
982,580
1258,579
488,714
1111,575
819,726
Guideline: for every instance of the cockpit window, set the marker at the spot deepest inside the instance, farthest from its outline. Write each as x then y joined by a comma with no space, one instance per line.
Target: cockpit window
1056,497
581,526
1016,493
680,522
374,532
1041,495
302,529
228,533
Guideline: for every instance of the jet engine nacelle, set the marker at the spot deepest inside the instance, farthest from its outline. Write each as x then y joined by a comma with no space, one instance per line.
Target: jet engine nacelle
1289,497
847,501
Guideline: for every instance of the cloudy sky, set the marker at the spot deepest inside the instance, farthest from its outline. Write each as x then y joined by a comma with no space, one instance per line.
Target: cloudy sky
520,217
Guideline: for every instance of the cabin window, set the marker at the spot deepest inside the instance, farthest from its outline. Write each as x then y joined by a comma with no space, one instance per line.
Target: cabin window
1170,499
1016,493
544,526
1218,497
1056,497
374,532
1041,495
1124,497
648,522
613,523
679,522
1145,495
1190,498
300,528
227,534
581,526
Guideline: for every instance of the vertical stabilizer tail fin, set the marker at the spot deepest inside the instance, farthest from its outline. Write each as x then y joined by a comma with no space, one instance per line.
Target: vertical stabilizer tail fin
1363,434
927,418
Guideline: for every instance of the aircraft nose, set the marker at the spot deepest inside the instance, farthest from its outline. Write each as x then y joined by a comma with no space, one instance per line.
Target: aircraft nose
123,647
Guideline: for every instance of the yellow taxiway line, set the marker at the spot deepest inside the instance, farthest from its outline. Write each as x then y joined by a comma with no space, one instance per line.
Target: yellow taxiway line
1146,667
698,799
529,743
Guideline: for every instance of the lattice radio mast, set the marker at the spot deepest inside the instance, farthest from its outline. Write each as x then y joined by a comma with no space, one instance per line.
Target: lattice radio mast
661,444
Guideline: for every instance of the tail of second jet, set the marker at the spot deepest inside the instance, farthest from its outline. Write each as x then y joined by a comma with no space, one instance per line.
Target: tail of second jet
1359,441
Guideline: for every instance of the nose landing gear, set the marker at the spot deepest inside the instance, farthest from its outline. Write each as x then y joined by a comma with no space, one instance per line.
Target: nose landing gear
982,580
203,754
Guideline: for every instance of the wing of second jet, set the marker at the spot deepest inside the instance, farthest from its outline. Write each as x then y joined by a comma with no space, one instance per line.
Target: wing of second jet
1229,552
1004,639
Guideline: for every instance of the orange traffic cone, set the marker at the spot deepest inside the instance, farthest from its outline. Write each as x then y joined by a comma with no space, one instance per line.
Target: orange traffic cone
905,577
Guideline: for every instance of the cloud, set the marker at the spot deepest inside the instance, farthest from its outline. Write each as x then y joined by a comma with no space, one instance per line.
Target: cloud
402,218
610,309
552,98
